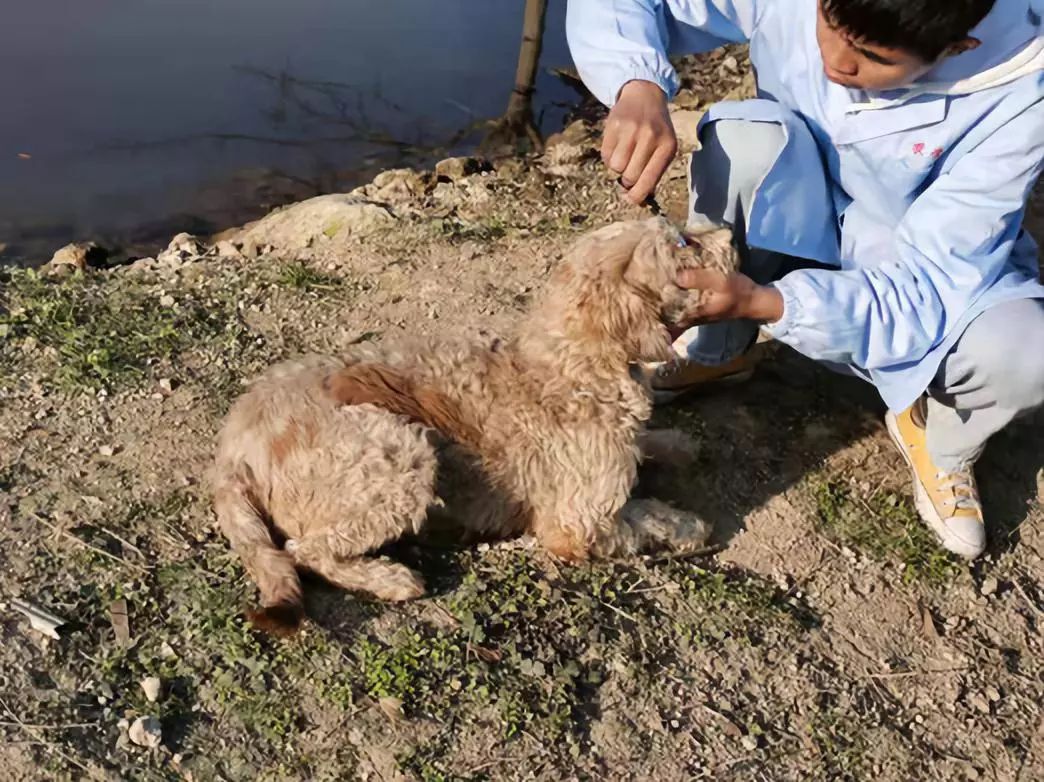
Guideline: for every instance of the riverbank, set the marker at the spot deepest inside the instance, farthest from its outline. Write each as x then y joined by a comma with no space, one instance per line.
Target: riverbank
828,639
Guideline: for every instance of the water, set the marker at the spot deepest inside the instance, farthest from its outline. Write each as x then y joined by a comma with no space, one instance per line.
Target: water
129,120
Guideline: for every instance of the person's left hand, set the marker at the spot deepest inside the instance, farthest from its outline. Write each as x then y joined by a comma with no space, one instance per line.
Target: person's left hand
731,297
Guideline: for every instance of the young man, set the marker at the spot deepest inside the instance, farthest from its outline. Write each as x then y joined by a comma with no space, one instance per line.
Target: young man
895,144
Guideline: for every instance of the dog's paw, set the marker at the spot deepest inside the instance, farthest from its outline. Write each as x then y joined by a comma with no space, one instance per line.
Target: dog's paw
397,583
659,526
691,534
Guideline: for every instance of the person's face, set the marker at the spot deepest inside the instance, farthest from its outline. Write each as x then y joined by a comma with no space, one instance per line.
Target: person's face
858,64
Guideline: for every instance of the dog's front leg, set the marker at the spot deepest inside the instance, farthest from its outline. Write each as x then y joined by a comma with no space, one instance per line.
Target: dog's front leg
669,446
640,526
657,526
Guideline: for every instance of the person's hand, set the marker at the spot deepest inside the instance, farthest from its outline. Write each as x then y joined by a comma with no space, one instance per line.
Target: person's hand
731,296
639,142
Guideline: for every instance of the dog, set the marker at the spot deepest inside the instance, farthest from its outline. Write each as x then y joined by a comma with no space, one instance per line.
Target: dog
325,460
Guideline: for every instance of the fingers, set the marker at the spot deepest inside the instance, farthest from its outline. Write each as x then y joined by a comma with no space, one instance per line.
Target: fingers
619,158
652,171
610,139
701,279
644,149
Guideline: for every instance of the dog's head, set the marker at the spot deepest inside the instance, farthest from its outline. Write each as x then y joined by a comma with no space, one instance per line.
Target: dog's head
618,283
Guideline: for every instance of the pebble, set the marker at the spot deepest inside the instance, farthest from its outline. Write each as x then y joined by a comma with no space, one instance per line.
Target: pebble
106,450
146,732
151,686
989,586
750,743
166,301
993,694
979,703
166,384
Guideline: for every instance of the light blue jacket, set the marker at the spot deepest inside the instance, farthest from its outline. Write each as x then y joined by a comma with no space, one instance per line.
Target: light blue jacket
917,195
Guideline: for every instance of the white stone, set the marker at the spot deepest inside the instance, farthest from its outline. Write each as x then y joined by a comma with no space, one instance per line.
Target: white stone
146,732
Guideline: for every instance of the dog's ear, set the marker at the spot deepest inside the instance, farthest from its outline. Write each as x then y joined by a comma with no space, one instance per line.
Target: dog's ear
714,249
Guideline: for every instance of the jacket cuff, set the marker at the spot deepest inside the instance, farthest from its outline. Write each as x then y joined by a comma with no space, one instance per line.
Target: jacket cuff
660,74
792,313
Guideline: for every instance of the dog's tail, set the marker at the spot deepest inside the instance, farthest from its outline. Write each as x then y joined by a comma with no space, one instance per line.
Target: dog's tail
272,569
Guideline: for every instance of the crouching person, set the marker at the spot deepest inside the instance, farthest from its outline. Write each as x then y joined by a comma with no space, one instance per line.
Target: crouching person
877,187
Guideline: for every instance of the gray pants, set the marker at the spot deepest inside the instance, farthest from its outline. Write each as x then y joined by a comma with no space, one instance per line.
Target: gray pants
994,374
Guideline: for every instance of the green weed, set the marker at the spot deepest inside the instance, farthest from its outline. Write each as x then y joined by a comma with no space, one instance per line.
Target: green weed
103,335
884,526
300,276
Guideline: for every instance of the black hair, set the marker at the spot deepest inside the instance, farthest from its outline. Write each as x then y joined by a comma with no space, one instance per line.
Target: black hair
922,27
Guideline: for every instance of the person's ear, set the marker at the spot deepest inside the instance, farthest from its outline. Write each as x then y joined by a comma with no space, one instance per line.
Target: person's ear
965,45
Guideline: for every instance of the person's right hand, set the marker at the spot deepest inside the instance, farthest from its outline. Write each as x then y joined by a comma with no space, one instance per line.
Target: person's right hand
639,142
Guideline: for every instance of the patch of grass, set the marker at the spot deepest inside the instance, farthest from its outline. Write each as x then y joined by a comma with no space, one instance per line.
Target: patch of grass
487,229
528,652
884,526
300,276
101,334
534,645
843,747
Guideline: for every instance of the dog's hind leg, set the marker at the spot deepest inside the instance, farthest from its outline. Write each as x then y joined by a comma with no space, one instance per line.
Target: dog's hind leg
271,568
378,576
373,487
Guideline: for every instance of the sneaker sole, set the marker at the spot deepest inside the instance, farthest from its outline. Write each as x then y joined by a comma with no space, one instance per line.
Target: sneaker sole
923,503
663,397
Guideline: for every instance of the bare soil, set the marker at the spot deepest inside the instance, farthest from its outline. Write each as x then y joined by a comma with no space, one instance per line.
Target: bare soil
828,638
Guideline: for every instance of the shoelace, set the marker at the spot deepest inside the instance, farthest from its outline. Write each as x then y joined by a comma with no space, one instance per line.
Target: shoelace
962,484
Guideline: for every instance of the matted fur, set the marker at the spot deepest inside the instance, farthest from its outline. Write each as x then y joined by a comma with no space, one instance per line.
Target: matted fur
326,459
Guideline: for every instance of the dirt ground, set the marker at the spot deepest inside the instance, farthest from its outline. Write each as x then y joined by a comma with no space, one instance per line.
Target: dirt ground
827,639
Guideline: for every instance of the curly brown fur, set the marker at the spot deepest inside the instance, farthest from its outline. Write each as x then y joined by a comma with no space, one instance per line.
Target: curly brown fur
541,434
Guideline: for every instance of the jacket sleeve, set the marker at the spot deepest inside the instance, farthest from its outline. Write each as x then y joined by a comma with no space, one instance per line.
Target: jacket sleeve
617,41
953,243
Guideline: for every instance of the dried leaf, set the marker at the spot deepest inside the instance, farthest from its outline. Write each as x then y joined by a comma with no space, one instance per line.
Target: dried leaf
120,621
485,654
931,632
391,708
41,620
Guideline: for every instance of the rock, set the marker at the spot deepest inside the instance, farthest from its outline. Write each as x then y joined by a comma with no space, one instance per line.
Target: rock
570,147
510,168
750,743
454,168
146,732
78,255
989,586
992,694
298,226
686,123
398,186
151,686
166,385
228,249
183,247
106,451
978,702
